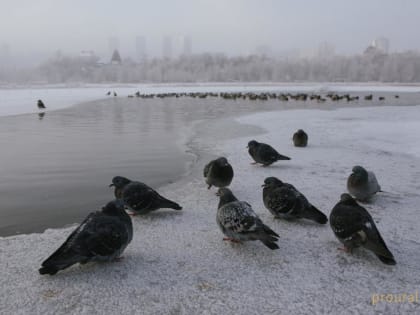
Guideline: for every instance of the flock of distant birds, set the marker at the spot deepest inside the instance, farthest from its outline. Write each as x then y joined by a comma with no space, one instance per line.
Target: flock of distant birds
104,235
262,96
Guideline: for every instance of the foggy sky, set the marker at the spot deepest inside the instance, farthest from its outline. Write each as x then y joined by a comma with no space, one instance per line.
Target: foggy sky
229,26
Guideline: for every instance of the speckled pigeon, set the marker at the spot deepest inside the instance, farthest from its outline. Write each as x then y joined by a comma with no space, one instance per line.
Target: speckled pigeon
283,200
239,222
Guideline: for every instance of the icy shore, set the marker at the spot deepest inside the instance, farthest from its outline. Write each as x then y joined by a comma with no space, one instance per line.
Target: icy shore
178,263
21,100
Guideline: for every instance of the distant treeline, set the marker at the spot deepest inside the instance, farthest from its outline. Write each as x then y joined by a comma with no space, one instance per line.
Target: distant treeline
396,67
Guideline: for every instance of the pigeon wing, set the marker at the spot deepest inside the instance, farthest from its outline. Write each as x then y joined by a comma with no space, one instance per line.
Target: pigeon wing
207,169
70,247
375,242
107,237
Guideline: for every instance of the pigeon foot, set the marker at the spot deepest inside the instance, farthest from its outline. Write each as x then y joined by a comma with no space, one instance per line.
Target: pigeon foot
344,249
231,240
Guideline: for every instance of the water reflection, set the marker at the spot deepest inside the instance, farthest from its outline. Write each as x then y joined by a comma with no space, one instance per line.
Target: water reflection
41,115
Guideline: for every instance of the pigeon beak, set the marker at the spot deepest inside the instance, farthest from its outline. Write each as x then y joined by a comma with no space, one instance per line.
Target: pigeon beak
263,185
217,194
111,185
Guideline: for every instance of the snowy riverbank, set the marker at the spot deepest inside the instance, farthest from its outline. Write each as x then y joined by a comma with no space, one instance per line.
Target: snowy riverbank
178,263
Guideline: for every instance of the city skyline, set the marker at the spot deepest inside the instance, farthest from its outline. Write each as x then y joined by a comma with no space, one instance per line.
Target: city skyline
174,46
234,27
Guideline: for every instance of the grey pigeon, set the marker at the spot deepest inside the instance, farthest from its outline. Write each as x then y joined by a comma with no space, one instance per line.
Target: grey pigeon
283,200
139,197
263,153
102,236
300,138
218,173
239,222
362,184
354,227
41,104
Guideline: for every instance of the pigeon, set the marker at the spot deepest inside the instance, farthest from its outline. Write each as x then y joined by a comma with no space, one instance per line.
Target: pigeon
218,173
115,93
239,222
263,153
41,104
300,138
108,93
139,197
102,236
362,184
354,227
283,200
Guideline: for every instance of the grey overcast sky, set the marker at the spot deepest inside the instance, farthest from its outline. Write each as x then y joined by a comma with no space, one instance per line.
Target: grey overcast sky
229,26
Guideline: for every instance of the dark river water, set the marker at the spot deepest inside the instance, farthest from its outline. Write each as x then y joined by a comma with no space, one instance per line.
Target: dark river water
56,169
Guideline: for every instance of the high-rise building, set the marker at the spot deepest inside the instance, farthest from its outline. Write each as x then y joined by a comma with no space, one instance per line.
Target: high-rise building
167,49
141,53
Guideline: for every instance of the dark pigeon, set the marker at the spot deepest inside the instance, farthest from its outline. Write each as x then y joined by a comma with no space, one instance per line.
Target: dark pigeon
283,200
102,236
218,173
239,222
300,138
264,154
139,197
41,104
362,184
354,227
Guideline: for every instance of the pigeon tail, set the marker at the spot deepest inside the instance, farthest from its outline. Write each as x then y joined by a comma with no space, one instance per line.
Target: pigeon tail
165,203
52,266
51,270
283,157
387,259
379,248
268,237
61,259
270,233
316,215
270,245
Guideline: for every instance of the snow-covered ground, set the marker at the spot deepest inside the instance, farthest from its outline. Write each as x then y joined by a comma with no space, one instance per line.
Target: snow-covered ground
15,101
177,262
